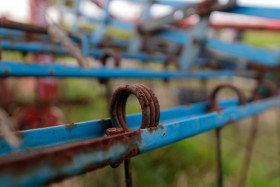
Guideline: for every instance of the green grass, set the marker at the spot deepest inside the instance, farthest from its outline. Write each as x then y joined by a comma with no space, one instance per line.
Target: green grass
266,39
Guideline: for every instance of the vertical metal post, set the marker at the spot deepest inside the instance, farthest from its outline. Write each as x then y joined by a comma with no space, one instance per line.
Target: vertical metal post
249,151
108,93
278,141
219,158
128,174
99,32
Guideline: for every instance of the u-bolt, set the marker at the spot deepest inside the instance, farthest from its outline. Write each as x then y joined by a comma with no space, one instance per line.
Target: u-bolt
214,107
148,102
171,59
107,53
213,96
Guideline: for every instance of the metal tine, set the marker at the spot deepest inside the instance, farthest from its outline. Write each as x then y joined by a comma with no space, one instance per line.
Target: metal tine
215,108
249,151
278,140
219,157
128,173
254,128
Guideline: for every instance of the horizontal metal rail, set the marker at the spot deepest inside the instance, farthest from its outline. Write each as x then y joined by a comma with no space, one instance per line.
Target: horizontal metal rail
51,154
265,12
42,47
13,69
254,54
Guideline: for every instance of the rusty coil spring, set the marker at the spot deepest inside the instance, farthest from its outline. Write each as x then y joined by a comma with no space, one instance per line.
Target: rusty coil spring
107,53
148,102
213,96
264,83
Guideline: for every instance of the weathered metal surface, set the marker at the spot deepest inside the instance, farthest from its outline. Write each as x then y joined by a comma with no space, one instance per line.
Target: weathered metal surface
8,68
87,154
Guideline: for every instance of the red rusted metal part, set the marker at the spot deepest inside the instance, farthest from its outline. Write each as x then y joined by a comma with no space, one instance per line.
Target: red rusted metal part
68,152
213,95
30,117
47,88
34,28
250,24
264,83
147,99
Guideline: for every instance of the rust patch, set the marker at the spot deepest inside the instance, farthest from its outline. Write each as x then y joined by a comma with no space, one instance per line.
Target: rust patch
70,126
51,72
61,155
6,71
152,129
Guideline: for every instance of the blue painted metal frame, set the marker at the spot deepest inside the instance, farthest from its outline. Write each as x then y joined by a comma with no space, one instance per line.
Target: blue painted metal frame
53,48
272,13
12,69
55,143
254,54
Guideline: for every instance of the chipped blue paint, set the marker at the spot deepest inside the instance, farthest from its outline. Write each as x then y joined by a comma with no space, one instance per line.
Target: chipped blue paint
176,124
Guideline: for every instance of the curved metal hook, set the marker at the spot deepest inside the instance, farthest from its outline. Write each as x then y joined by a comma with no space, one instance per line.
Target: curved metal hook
213,96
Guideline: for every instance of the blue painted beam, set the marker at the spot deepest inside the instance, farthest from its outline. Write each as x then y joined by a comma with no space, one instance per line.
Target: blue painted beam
36,47
253,54
93,129
45,163
12,69
272,13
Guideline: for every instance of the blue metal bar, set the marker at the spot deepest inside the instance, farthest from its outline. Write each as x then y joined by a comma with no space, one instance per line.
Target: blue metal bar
36,47
50,158
8,68
256,55
94,129
272,13
12,33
